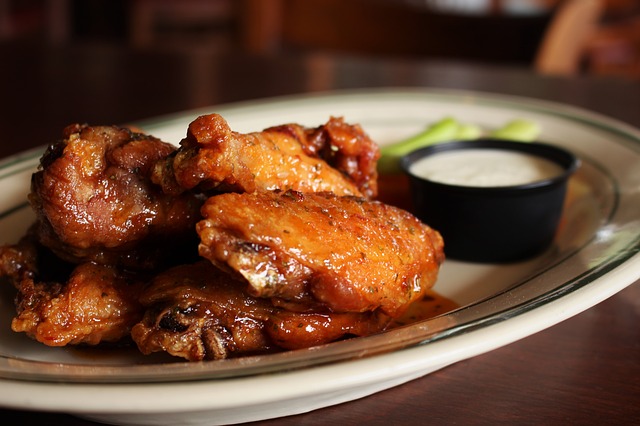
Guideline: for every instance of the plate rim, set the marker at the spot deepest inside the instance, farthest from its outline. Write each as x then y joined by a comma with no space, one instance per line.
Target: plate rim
626,275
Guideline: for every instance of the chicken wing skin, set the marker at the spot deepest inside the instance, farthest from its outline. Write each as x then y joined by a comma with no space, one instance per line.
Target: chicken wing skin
288,251
335,157
345,253
198,312
61,304
95,202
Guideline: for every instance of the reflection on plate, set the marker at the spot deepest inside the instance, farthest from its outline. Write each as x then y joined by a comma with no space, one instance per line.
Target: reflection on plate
594,256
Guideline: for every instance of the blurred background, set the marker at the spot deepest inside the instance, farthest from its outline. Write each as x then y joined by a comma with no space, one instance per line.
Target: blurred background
552,36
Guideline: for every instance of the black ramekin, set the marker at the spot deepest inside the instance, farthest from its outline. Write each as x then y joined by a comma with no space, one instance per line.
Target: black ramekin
493,224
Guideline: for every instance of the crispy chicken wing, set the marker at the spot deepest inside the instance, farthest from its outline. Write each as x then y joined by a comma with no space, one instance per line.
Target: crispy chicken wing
296,253
59,304
199,312
94,200
335,157
345,253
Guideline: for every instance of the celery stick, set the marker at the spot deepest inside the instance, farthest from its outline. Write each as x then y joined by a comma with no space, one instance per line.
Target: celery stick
440,131
449,129
468,132
518,130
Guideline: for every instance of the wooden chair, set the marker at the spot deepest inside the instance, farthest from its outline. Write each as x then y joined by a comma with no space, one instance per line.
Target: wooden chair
559,43
556,43
565,42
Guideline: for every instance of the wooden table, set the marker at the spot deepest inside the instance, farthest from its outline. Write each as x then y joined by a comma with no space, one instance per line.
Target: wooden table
582,371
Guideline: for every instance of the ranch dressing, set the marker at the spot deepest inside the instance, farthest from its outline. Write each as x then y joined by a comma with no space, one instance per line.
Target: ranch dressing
485,168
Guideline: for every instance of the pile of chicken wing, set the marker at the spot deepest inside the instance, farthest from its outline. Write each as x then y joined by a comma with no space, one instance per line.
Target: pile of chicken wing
229,244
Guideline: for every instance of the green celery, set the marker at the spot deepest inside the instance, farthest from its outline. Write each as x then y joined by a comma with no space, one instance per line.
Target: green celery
517,130
444,130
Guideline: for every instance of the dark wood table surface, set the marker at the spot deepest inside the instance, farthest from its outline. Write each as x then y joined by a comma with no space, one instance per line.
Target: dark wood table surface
583,371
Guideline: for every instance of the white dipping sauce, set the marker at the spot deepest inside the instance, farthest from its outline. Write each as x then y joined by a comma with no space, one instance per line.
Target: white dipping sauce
485,167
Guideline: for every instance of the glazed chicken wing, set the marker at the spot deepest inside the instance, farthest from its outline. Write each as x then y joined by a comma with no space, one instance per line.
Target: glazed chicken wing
59,304
335,157
199,312
345,253
288,251
95,202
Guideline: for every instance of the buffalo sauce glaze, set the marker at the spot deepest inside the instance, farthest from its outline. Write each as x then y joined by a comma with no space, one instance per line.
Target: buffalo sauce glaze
431,305
394,189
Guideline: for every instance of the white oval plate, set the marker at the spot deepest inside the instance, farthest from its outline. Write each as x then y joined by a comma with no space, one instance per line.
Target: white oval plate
594,256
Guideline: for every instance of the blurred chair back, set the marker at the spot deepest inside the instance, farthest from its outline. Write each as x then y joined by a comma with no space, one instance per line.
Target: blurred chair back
564,44
553,42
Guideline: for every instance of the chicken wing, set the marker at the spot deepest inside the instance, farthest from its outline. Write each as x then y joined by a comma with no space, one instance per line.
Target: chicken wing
60,304
345,253
335,157
296,253
198,312
94,200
